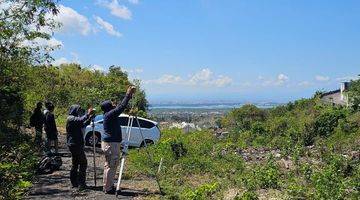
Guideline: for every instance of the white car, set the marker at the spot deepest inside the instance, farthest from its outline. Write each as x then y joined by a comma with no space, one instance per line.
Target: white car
150,131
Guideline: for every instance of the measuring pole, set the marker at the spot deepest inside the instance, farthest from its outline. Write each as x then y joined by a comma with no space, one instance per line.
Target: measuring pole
94,146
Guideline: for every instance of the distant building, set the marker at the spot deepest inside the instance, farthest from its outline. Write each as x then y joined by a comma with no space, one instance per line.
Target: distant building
337,97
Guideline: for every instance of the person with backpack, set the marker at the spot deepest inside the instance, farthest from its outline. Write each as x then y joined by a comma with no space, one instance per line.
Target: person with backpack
111,141
75,143
50,127
37,121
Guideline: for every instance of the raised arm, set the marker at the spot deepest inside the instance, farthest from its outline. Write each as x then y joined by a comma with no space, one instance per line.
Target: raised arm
121,107
85,119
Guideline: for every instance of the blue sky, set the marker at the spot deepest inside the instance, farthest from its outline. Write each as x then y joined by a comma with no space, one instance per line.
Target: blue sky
212,50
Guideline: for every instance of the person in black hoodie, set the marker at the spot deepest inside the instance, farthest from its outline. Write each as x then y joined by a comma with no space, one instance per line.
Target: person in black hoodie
50,127
75,142
37,121
112,138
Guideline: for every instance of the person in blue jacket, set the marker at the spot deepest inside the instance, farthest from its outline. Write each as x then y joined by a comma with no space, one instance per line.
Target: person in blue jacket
112,138
75,142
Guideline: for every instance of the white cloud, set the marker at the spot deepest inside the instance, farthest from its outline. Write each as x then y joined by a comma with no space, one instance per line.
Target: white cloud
5,6
304,84
59,61
222,81
166,79
72,21
348,78
203,77
98,68
280,80
43,43
134,1
75,57
63,60
109,28
139,70
116,9
322,78
135,70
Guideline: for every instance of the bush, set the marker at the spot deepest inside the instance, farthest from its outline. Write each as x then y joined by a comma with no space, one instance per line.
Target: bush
248,195
202,192
18,163
258,128
244,117
354,94
268,175
325,123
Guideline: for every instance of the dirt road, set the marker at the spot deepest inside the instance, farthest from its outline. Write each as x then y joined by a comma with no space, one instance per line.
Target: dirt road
57,185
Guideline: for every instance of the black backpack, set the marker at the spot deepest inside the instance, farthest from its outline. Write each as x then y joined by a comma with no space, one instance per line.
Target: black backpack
48,164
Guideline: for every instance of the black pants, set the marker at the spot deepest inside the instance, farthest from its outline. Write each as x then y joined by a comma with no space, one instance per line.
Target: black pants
79,165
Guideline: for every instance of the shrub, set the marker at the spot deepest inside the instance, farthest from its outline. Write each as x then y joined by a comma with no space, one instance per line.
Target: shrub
278,125
297,190
268,175
258,128
354,94
202,192
328,184
18,164
244,117
248,195
325,123
178,149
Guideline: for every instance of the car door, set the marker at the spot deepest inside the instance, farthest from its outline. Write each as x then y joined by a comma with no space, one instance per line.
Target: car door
135,137
146,129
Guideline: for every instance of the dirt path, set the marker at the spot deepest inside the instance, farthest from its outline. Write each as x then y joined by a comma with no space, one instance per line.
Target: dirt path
57,185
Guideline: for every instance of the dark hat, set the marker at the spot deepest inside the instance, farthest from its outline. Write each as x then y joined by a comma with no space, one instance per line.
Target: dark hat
106,106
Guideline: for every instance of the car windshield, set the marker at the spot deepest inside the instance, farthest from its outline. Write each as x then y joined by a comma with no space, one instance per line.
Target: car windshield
98,118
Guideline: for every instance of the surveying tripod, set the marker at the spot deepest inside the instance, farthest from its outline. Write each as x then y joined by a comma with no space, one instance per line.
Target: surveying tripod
125,146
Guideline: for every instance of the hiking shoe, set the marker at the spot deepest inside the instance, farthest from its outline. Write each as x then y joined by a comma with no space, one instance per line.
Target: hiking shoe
112,191
73,188
83,187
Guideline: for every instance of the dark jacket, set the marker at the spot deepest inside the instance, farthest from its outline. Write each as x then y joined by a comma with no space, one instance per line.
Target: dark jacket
37,119
74,126
50,125
112,128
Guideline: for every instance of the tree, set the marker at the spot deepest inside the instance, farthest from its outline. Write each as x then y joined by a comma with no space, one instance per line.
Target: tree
354,94
23,21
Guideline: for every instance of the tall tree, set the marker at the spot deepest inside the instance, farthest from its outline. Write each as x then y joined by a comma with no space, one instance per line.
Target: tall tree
23,21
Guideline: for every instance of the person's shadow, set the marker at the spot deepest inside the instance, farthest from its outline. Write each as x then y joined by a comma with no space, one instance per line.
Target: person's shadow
125,191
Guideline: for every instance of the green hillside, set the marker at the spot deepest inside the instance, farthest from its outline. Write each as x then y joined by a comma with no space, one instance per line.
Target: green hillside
303,150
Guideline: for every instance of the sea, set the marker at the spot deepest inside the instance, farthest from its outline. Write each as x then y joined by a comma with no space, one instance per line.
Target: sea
210,106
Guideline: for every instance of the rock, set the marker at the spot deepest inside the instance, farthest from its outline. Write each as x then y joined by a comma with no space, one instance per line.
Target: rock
287,164
230,194
355,155
277,155
223,152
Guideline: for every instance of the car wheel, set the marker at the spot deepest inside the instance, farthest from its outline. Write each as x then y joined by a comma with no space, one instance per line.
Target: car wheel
89,139
148,142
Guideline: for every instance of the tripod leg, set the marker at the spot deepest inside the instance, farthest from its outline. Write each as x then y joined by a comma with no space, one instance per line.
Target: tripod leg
94,152
120,175
149,156
122,163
